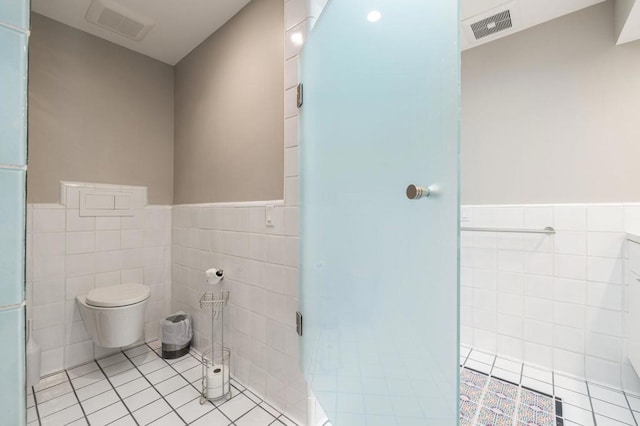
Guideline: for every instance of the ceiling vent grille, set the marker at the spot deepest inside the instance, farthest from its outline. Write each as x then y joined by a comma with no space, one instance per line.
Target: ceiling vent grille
492,25
113,17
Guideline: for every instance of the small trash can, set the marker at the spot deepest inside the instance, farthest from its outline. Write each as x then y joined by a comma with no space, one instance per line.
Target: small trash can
175,334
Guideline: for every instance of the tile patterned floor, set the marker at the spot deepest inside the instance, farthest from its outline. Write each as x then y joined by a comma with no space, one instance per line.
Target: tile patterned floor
488,400
583,403
138,387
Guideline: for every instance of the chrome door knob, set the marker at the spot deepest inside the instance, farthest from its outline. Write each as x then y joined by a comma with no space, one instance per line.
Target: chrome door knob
415,192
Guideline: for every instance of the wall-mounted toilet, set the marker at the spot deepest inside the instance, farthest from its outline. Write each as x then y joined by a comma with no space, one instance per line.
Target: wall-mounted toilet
114,315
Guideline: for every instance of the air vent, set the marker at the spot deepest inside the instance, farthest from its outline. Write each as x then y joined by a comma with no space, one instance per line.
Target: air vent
492,25
113,17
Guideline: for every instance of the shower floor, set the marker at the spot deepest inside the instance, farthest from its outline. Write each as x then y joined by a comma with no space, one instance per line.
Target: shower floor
498,391
138,387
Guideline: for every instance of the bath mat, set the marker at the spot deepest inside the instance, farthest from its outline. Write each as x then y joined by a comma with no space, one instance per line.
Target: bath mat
491,401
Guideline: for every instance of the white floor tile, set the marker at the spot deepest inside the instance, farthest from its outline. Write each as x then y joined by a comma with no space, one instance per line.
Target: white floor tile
56,404
108,414
253,397
570,383
63,417
464,351
237,406
193,410
53,392
125,377
182,396
269,409
608,395
538,374
478,366
509,365
634,402
138,350
52,380
124,421
193,375
171,419
537,385
32,415
573,398
186,364
98,402
117,368
237,385
87,379
160,375
612,411
151,412
30,401
285,420
212,418
80,422
93,389
506,375
256,417
605,421
83,369
132,387
152,366
170,385
140,399
577,415
144,358
113,359
482,357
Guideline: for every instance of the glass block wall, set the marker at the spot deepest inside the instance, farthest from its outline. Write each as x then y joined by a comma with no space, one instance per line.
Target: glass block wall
14,35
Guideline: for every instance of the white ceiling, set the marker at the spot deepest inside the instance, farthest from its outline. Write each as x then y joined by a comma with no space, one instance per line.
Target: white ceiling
180,26
525,14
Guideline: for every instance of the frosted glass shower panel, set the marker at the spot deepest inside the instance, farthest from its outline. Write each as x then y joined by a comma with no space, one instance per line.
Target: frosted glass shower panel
379,286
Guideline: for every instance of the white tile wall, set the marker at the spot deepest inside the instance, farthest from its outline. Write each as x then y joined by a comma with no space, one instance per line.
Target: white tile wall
68,255
260,261
260,264
557,301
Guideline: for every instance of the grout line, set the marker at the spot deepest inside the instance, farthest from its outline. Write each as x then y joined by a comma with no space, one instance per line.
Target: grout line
73,388
521,374
593,414
35,400
154,388
253,408
633,415
118,393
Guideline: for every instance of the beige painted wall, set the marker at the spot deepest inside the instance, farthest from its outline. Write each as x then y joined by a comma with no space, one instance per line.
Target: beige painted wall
550,115
97,113
229,111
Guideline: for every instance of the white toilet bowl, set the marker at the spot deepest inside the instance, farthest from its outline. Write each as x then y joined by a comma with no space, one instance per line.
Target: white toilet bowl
114,315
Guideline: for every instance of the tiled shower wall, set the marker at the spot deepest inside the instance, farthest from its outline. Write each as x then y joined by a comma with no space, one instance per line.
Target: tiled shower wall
14,35
558,301
68,255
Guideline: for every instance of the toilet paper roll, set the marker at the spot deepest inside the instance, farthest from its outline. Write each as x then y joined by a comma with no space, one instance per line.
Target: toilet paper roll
214,276
217,381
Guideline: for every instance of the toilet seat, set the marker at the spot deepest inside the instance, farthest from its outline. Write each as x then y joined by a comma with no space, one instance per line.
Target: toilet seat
118,295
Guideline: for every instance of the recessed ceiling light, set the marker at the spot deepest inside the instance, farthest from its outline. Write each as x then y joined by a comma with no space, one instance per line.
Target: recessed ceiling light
297,38
374,16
